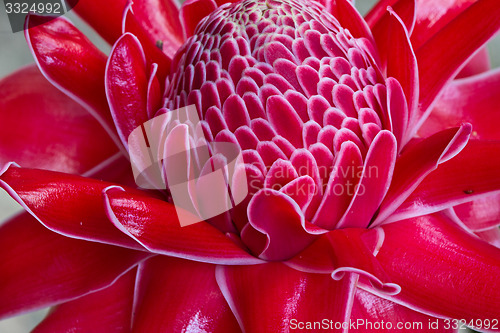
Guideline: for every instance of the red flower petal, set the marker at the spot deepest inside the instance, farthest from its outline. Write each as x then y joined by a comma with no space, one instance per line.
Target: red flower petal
67,204
349,18
480,214
153,49
379,17
374,182
105,311
433,16
46,268
281,220
176,295
478,64
160,20
417,161
192,12
370,311
43,128
126,84
397,54
105,19
474,100
442,56
155,225
72,63
472,174
442,269
272,297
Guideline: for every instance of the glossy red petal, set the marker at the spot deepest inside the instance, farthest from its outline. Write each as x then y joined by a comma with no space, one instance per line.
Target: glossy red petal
478,64
370,311
106,311
395,24
274,298
72,63
41,268
350,19
127,85
474,100
470,175
105,19
433,16
153,49
417,161
175,295
397,54
374,182
442,269
192,12
67,204
160,20
280,219
43,128
442,56
480,214
154,224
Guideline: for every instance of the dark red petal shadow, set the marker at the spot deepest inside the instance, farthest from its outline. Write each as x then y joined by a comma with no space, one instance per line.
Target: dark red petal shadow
72,63
267,298
41,268
175,295
106,311
43,128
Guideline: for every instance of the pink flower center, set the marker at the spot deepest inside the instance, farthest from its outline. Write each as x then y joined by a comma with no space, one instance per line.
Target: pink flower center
303,99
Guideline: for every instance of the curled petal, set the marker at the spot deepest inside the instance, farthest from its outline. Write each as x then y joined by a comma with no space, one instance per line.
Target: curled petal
459,180
280,219
126,84
67,204
154,224
417,161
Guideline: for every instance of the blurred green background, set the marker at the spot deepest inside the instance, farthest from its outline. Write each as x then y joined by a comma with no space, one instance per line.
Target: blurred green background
14,53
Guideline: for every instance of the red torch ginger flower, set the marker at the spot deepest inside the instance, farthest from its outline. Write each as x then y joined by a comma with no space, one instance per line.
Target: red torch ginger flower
367,148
